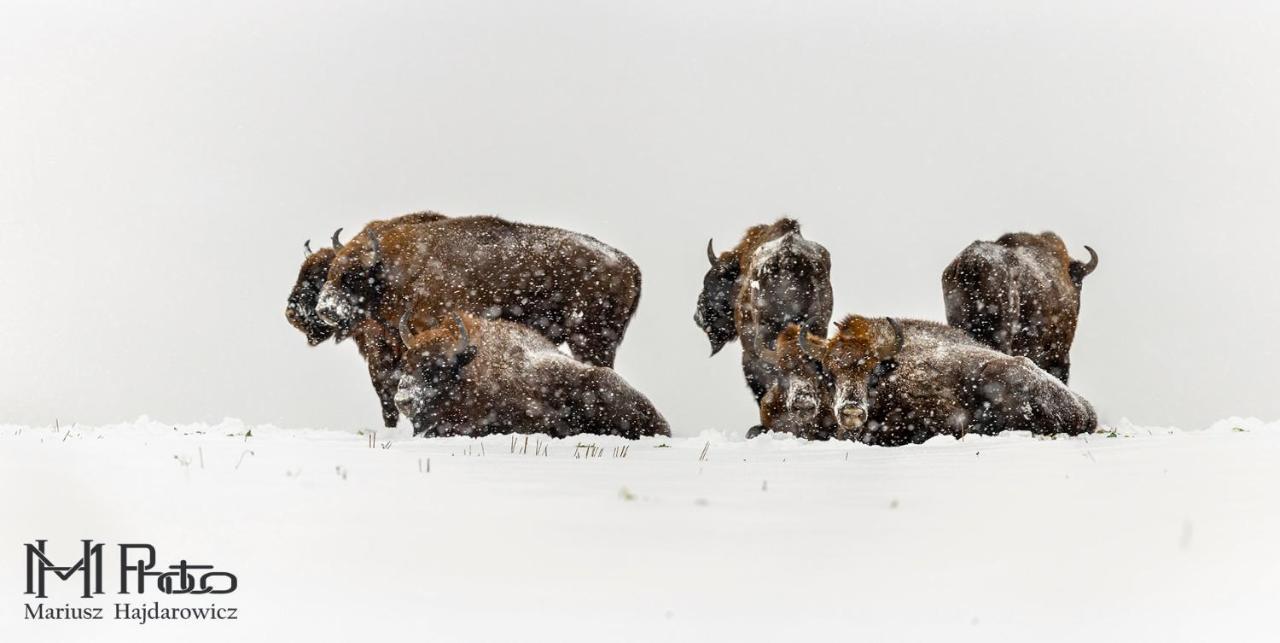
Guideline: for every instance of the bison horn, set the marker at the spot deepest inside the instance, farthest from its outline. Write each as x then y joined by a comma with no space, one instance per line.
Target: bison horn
405,331
306,248
464,340
807,347
337,245
711,253
1080,270
1093,262
898,338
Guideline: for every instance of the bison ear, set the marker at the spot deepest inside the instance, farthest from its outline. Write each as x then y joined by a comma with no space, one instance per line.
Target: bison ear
889,338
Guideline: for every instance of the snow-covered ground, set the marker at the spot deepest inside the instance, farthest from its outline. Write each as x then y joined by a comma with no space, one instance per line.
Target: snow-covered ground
1144,534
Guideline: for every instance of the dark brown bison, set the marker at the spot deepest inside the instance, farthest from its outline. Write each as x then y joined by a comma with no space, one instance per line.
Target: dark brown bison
903,381
799,399
568,286
379,344
474,376
772,278
1019,295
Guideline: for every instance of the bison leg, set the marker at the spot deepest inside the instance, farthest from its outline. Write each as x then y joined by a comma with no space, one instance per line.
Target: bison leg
386,388
382,351
385,378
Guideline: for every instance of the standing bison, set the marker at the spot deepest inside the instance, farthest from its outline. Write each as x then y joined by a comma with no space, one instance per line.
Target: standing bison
773,277
903,381
567,286
471,375
379,344
1019,295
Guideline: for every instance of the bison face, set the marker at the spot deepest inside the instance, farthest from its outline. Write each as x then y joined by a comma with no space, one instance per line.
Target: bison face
301,311
715,304
430,380
852,358
433,370
799,400
353,287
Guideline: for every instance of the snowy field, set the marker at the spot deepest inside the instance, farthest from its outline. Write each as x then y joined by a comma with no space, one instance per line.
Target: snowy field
1137,534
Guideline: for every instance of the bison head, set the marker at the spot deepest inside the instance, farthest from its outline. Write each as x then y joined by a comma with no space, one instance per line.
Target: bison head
301,311
715,304
800,398
354,284
432,368
852,357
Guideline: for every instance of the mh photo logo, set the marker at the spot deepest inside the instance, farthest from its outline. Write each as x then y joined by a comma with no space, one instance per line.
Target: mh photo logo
137,570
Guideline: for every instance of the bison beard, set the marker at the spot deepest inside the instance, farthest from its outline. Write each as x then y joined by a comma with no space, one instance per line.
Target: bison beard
475,376
1019,295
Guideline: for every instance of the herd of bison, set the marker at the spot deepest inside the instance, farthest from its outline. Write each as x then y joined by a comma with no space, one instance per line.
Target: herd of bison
461,322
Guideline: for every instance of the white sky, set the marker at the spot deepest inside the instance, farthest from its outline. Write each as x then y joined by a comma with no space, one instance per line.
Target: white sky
161,164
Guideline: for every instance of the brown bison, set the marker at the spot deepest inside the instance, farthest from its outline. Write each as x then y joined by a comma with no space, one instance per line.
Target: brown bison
1019,295
772,278
902,381
379,344
799,400
471,375
568,286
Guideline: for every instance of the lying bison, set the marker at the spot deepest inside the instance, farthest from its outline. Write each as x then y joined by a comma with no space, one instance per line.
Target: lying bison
799,399
1019,295
901,381
378,343
474,376
567,286
772,278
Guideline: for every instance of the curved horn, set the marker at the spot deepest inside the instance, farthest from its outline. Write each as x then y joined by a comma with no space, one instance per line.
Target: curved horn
306,247
337,245
807,348
405,331
711,253
1092,265
898,338
464,340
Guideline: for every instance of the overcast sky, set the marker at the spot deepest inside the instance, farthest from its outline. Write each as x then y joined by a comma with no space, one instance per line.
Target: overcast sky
161,164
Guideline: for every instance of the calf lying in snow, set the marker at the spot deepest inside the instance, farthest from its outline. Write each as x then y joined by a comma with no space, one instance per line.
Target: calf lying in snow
799,400
900,381
476,376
